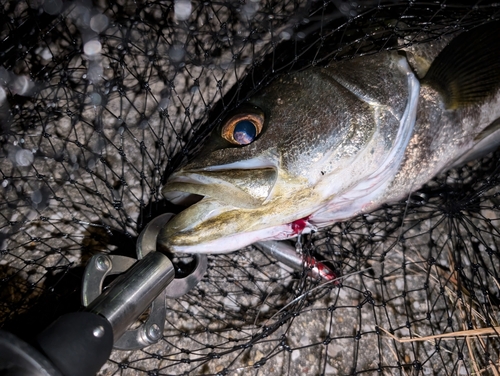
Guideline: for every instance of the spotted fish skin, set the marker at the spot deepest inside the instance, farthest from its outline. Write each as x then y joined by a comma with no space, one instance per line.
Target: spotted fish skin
338,141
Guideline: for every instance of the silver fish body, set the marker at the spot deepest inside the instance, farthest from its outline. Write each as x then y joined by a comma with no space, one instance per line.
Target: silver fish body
334,142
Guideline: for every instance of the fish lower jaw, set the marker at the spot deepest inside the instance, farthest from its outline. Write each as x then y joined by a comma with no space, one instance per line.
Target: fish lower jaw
212,226
226,244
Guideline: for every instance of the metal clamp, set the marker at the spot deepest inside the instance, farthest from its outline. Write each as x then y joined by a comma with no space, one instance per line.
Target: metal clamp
101,266
179,286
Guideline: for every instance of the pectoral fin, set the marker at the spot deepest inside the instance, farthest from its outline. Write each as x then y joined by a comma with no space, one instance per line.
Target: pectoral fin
467,71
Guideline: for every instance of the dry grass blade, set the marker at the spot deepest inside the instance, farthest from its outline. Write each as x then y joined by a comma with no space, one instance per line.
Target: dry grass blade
462,333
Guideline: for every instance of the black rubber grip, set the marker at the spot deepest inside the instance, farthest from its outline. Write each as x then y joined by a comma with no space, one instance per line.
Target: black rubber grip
17,358
78,344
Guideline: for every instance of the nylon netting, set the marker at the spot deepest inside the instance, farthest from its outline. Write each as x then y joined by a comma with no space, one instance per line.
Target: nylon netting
100,101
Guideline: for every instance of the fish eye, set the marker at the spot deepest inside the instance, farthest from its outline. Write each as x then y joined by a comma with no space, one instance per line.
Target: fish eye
243,128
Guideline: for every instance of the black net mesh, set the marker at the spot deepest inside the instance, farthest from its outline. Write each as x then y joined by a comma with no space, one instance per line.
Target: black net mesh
100,101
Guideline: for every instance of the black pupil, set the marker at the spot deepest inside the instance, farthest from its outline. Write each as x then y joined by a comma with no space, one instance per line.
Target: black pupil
244,132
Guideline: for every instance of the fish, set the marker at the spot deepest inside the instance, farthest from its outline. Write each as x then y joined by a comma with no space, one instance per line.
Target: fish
325,144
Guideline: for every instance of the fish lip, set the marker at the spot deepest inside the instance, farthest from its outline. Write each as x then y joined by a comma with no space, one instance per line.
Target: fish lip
179,236
182,197
222,185
216,190
270,160
227,182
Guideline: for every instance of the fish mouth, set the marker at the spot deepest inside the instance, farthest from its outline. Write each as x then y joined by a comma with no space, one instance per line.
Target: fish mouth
231,206
244,184
213,226
245,189
211,194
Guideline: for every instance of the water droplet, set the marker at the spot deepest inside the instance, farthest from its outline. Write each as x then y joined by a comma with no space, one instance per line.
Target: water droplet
92,47
176,53
95,99
182,10
36,196
22,85
94,73
24,157
99,23
285,35
249,9
164,103
52,6
143,124
91,163
44,53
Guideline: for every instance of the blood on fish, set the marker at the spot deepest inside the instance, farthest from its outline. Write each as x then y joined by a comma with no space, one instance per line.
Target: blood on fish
299,225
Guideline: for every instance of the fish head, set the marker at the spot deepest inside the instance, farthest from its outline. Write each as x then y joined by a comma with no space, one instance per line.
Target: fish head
274,161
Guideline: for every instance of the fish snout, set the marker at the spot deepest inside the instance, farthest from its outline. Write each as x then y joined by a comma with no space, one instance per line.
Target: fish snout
236,187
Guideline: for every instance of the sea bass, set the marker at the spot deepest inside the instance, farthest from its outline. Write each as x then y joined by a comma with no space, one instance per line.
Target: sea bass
325,144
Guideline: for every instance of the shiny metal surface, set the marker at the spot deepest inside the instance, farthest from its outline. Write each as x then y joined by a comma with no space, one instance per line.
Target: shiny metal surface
181,286
133,292
95,273
146,244
282,252
92,288
141,337
148,281
289,256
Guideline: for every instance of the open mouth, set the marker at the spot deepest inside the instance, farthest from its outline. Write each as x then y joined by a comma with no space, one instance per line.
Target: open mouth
182,198
246,189
215,202
225,209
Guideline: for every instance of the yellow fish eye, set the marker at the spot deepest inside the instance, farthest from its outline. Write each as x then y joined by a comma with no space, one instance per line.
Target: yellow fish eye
243,128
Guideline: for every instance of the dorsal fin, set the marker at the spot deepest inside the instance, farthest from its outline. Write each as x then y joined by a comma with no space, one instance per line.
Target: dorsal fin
467,71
